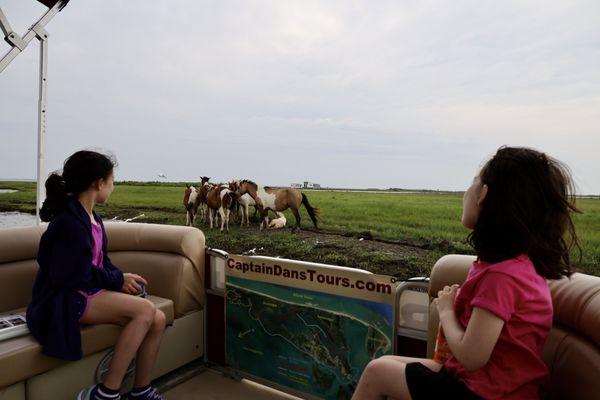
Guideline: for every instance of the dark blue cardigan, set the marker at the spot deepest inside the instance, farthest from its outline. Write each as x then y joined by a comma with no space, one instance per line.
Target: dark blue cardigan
65,266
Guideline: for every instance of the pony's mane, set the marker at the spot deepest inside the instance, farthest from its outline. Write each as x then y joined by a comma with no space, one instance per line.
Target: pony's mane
248,181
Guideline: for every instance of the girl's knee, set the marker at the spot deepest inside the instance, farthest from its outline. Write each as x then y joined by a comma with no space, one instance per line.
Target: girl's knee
159,321
377,367
146,312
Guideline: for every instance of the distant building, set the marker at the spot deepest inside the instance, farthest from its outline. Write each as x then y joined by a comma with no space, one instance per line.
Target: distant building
311,185
296,186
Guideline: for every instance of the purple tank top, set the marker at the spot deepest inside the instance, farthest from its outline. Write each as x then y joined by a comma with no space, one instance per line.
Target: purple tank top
97,245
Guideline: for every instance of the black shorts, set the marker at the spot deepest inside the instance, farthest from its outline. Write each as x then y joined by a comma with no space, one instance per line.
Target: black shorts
425,384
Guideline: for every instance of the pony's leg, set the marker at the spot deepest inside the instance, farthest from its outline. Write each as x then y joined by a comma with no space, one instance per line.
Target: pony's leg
247,213
297,216
187,218
264,216
210,216
227,214
222,213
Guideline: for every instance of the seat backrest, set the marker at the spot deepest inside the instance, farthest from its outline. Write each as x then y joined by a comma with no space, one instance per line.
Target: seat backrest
572,350
170,257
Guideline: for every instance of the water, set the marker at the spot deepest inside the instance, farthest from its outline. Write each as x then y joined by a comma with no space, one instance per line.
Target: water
13,218
7,191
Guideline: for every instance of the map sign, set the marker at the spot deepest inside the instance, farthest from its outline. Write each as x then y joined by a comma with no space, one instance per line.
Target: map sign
306,326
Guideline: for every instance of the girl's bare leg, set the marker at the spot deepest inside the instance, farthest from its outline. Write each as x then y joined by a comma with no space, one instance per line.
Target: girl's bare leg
136,315
146,355
384,378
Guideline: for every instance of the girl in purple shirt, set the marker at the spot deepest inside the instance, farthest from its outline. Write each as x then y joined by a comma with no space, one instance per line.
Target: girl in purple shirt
78,284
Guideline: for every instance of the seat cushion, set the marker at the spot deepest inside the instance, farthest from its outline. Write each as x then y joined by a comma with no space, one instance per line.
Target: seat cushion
21,357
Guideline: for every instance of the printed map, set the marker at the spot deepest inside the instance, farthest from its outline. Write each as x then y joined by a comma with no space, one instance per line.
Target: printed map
313,342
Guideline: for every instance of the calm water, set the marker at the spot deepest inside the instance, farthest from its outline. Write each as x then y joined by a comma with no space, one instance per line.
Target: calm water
12,218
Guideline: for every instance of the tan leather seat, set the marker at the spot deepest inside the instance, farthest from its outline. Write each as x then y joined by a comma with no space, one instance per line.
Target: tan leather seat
170,257
572,350
21,357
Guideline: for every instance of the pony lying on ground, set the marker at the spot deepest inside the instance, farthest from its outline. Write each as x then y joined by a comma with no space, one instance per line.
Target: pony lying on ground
278,222
277,200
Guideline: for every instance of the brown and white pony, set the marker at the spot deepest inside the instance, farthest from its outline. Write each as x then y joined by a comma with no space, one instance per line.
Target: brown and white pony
278,200
202,192
221,199
244,202
190,203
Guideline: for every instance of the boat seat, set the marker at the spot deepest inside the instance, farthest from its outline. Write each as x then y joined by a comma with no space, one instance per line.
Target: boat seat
170,258
572,350
22,358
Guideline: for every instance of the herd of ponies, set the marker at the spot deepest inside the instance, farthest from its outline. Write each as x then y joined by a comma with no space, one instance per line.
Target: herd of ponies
220,200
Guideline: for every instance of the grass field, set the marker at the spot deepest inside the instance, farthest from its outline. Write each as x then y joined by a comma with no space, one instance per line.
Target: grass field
428,225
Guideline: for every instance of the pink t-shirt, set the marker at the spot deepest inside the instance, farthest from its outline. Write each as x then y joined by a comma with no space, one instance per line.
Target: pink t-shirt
513,291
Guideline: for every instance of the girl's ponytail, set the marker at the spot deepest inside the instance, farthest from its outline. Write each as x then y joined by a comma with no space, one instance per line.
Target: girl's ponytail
56,197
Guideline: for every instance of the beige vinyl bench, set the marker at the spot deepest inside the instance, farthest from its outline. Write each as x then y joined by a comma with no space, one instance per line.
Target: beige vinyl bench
171,258
572,350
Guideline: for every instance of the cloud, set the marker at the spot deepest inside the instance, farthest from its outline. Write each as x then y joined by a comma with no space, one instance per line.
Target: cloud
378,94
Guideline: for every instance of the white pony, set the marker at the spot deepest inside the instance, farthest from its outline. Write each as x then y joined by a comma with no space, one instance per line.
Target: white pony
245,201
278,222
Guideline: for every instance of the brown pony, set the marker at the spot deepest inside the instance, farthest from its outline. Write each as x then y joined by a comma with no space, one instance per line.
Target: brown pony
277,200
202,192
220,198
190,203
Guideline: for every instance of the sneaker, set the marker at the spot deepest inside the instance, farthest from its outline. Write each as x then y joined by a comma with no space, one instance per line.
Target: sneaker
149,394
93,393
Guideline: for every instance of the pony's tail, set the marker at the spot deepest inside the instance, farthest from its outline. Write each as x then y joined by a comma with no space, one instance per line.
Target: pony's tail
229,200
313,213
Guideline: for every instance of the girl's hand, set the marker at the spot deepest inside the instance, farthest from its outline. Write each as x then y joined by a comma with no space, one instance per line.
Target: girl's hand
445,299
130,285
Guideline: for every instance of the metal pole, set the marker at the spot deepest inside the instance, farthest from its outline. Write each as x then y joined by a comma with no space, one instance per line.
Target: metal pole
18,43
41,160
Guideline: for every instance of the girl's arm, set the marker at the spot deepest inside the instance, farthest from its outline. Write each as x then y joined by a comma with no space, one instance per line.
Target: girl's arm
471,347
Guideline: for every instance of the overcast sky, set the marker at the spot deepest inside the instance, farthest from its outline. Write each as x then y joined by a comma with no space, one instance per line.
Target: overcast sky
412,94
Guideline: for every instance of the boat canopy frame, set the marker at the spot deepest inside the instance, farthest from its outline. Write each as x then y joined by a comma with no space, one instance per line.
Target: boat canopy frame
18,45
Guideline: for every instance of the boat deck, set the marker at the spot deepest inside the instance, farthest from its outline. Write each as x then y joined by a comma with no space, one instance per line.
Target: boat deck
210,384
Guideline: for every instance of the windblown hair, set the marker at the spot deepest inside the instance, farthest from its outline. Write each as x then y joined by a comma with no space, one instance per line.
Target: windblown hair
79,172
528,209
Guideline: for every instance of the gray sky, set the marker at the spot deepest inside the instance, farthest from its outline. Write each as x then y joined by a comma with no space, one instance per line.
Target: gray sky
413,94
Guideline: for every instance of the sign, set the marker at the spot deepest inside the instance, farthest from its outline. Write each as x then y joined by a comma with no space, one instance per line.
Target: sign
306,326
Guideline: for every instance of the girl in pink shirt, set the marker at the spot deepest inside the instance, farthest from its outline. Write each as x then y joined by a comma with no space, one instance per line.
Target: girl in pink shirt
519,210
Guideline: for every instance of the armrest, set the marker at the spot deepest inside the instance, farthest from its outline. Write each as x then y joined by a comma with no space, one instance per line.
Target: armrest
171,258
448,270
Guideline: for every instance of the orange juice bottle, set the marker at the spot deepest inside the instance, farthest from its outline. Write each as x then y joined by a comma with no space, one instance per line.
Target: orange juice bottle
442,350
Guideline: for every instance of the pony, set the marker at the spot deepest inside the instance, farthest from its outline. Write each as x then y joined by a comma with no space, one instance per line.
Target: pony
278,222
202,192
244,201
190,203
278,200
220,198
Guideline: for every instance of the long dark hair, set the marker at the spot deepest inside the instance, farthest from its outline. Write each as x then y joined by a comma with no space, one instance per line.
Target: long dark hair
527,209
79,172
